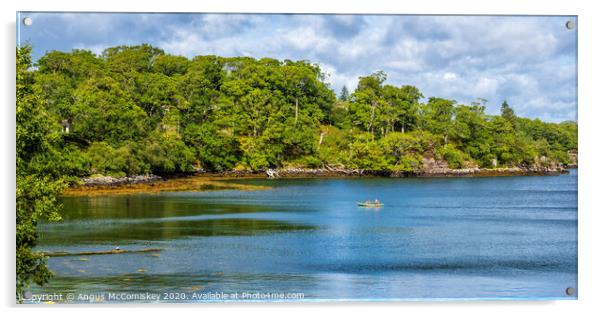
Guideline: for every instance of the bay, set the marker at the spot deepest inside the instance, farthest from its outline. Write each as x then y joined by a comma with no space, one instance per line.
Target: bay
434,238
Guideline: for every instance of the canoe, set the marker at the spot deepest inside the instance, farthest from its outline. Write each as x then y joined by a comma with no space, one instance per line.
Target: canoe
363,204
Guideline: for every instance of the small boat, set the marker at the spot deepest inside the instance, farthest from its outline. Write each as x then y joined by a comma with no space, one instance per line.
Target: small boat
364,204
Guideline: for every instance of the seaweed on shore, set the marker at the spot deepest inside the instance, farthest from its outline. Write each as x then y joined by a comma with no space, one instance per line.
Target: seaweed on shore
195,183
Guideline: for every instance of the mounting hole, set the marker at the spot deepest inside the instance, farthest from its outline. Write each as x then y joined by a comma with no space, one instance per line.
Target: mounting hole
570,24
569,291
27,21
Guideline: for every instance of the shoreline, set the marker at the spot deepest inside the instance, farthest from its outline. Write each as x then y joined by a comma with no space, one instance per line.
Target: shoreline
207,181
287,173
152,184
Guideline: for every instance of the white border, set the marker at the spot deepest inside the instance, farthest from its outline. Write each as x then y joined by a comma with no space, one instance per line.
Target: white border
590,26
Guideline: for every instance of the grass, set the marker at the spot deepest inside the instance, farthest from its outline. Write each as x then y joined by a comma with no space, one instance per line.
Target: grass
194,183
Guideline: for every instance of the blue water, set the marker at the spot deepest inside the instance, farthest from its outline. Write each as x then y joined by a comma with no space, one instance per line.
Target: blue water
448,238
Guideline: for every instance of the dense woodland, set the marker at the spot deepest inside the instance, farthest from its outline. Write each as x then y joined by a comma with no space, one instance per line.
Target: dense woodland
137,110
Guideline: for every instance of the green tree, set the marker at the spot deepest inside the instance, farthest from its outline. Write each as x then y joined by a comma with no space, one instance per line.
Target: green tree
124,60
367,154
508,113
36,194
367,102
438,116
344,95
136,109
170,65
103,111
405,151
215,150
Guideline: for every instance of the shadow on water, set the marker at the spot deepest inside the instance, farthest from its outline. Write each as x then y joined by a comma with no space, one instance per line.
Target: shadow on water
161,230
149,206
475,265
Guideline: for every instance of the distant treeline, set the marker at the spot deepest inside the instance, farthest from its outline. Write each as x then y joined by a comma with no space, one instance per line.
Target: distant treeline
136,110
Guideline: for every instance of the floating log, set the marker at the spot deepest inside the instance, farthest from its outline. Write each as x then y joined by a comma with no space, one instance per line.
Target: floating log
91,253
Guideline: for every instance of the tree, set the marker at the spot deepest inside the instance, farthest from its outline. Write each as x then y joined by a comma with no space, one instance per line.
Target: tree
367,102
137,109
405,151
344,95
408,107
170,65
123,60
366,154
508,113
401,108
438,115
215,150
471,133
103,111
36,196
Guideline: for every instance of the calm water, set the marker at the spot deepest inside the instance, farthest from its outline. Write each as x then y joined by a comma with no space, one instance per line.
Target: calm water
504,237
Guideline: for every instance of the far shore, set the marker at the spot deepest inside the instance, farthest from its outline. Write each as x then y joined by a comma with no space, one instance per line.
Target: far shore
207,181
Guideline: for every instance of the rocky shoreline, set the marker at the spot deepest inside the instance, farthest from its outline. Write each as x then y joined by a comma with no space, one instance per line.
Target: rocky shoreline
332,173
114,181
435,172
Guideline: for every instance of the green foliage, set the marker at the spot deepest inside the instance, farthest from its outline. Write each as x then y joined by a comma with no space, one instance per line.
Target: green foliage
170,65
366,154
105,159
258,154
405,151
137,110
167,155
127,59
219,113
104,112
162,155
36,198
36,192
381,109
344,95
508,113
438,116
216,150
335,146
339,116
455,158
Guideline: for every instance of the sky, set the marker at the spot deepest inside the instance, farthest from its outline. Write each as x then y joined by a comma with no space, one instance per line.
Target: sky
530,61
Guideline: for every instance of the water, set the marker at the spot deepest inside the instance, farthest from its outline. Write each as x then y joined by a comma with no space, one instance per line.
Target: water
453,238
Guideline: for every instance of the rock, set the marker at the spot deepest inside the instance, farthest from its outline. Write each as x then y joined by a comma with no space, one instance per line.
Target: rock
108,180
272,173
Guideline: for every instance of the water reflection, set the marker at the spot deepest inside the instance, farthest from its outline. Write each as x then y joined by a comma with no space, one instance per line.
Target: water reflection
149,206
162,230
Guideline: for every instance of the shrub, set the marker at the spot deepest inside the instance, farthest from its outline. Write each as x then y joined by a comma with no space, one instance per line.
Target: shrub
455,158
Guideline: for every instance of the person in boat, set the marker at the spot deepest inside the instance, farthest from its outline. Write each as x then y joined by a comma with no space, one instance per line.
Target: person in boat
367,202
376,202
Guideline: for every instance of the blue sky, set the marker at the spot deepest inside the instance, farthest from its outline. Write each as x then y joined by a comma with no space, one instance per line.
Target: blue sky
529,61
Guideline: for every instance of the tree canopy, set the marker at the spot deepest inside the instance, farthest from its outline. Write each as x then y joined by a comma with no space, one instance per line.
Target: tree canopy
136,109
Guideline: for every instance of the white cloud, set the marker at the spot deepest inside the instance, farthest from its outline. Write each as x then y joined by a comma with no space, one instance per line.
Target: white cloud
307,37
485,86
404,65
449,76
529,61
